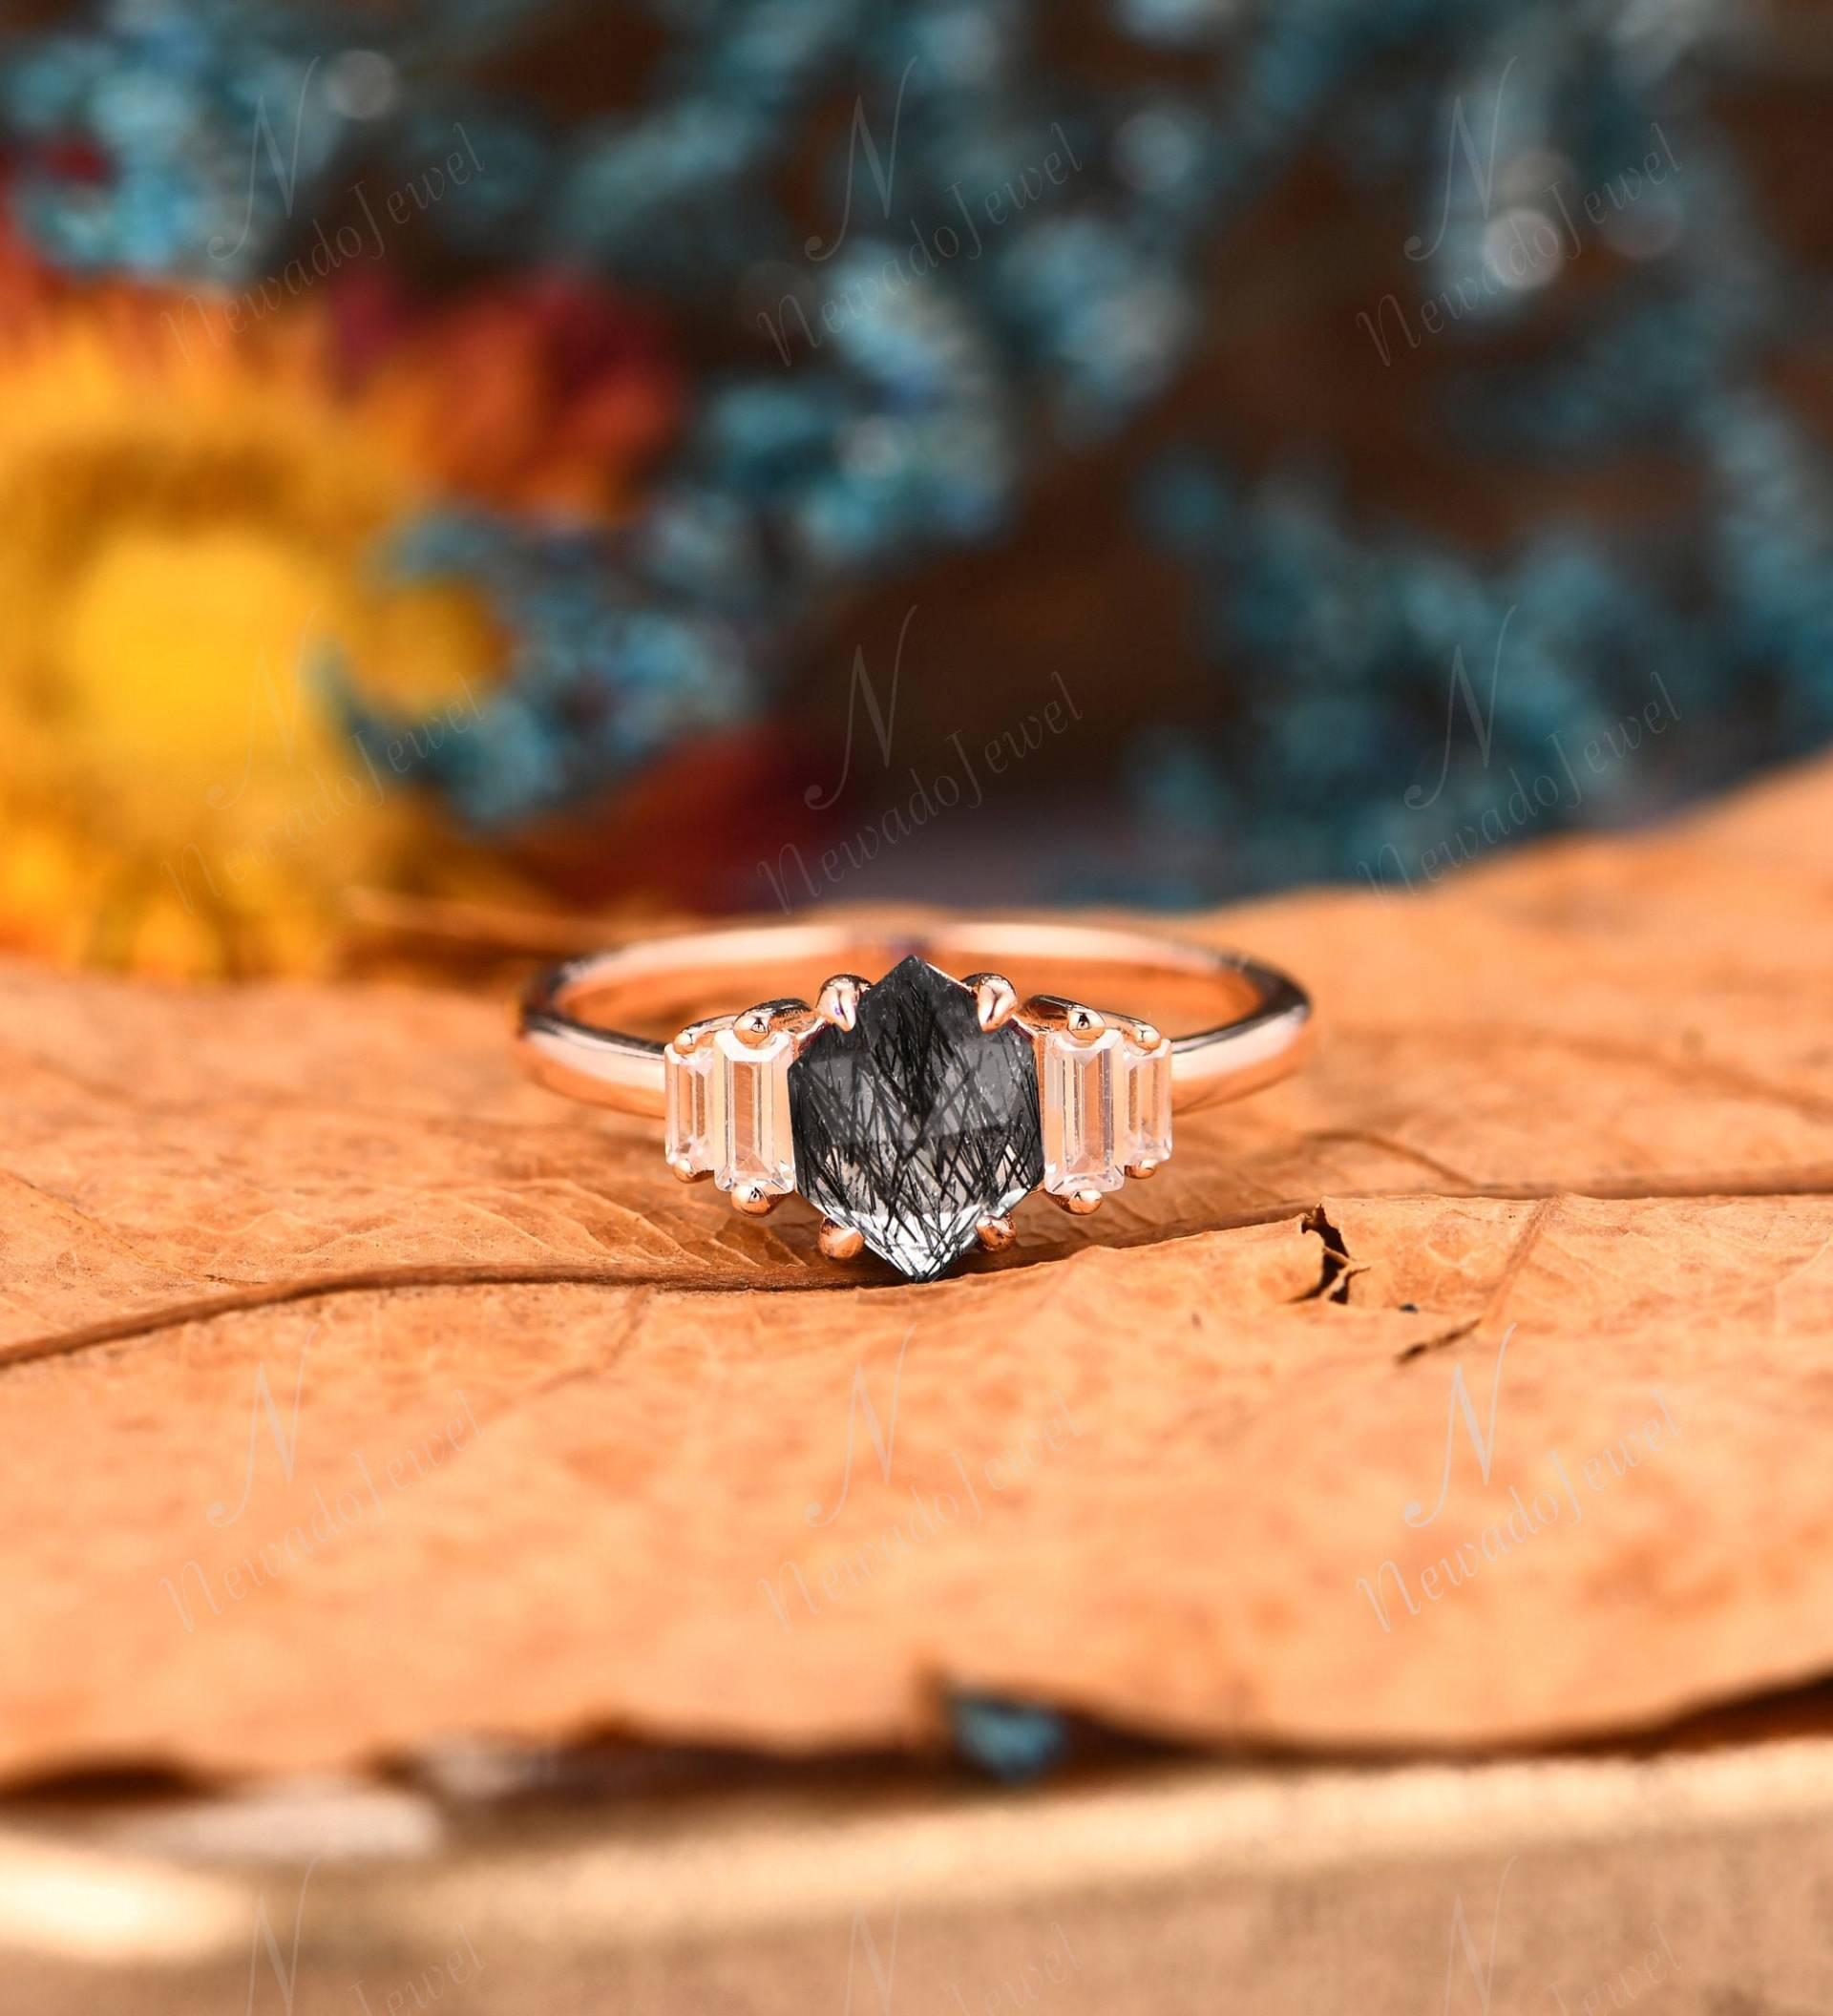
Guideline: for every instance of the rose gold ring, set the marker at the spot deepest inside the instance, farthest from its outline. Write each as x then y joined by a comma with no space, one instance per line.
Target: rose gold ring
913,1111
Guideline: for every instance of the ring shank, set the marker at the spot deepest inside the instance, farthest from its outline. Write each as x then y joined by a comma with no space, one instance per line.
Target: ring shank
668,982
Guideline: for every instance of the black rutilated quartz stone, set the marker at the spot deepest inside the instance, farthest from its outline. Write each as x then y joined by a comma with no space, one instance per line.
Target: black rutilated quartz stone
915,1122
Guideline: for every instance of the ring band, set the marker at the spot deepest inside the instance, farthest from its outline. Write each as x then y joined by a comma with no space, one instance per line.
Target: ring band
917,1110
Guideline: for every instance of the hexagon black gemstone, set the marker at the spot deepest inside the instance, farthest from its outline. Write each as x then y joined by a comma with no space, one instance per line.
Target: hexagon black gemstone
916,1122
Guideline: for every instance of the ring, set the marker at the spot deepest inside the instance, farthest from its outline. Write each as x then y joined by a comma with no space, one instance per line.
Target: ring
913,1111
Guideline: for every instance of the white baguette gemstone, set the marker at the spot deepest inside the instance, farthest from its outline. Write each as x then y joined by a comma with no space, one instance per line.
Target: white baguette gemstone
1145,1125
687,1089
1107,1107
1076,1087
751,1141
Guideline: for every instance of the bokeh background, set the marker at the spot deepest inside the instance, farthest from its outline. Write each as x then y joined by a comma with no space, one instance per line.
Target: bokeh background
475,461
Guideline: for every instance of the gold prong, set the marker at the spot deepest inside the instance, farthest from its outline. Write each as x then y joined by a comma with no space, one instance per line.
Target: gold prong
841,1241
838,1001
1045,1014
996,1000
1085,1024
754,1200
788,1017
684,1171
1078,1203
686,1041
1143,1172
1146,1036
995,1234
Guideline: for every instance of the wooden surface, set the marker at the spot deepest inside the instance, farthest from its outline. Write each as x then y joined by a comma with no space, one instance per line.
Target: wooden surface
554,1445
1171,1890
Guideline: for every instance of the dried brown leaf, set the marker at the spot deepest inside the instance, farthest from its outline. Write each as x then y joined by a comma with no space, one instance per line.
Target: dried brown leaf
571,1449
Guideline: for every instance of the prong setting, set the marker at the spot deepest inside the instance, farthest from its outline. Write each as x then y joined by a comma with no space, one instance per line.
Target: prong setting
996,1001
1085,1025
725,1094
917,1122
838,1001
839,1242
1103,1088
684,1042
1104,1084
688,1069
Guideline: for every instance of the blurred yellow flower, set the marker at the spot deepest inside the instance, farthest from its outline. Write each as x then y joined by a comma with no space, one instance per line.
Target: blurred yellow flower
188,523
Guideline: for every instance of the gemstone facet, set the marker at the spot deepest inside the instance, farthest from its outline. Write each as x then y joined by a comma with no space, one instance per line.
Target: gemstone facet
1079,1113
1106,1108
688,1089
915,1123
1145,1131
750,1112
